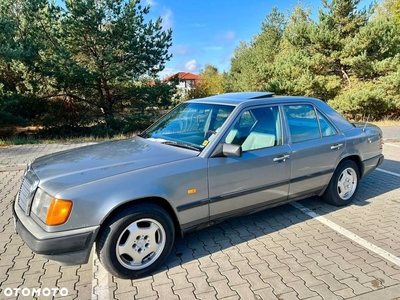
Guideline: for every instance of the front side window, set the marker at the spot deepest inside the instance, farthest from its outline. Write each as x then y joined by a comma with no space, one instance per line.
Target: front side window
303,123
256,128
189,125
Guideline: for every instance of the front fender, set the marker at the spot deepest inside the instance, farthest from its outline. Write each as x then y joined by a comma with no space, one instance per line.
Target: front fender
95,201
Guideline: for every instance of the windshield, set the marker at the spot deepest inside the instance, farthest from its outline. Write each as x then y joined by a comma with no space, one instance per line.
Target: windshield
189,125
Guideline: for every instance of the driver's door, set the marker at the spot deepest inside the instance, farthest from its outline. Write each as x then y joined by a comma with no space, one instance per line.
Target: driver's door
260,176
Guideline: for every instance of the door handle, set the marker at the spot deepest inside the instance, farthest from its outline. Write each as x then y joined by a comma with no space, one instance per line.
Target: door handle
336,146
282,157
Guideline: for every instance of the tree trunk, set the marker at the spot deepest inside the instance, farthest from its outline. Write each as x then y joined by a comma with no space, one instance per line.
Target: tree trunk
344,74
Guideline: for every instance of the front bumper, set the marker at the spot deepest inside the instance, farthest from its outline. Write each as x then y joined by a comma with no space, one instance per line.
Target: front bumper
67,248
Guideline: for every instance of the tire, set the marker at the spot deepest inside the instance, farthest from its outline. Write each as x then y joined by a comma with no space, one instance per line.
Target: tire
135,241
343,185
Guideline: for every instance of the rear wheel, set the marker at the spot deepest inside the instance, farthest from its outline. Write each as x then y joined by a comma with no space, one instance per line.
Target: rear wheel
135,241
343,185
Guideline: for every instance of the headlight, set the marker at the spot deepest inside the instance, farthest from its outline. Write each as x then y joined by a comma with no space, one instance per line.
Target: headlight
41,203
49,210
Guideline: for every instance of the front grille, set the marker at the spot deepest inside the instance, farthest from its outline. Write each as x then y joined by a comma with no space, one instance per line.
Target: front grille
28,188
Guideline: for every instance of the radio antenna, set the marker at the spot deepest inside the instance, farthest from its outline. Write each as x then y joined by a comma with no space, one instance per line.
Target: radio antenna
365,125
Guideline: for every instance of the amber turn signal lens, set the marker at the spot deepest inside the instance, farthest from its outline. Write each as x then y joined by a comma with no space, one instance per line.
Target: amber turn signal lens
59,211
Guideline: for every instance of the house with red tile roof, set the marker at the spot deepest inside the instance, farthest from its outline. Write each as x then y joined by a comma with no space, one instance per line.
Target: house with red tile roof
186,80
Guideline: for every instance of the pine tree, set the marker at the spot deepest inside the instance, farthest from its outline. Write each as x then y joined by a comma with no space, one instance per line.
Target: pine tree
80,62
252,64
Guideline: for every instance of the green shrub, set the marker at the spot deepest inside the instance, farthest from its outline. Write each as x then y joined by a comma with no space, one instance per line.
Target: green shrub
366,98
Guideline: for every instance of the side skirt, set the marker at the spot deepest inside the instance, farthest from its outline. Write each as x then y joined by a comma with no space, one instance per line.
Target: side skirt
204,223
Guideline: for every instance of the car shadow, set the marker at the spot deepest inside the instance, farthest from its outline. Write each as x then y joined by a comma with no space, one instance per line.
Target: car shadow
390,165
241,231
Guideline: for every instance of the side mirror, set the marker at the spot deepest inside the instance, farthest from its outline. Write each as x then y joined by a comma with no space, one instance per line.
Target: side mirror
227,150
232,150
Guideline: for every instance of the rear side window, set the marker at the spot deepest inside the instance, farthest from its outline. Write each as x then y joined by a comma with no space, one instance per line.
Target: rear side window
303,123
327,128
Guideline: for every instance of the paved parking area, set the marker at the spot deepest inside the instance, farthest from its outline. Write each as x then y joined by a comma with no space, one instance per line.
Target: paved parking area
308,250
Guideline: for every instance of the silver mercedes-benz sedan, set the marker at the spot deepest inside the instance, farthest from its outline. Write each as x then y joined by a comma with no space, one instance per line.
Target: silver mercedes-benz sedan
206,160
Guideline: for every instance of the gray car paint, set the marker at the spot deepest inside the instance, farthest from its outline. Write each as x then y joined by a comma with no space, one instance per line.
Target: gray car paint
101,178
71,168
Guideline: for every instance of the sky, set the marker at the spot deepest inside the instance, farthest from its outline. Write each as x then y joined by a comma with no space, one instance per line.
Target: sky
207,32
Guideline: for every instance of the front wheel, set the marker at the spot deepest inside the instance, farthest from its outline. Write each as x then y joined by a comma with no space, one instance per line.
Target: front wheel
135,241
343,185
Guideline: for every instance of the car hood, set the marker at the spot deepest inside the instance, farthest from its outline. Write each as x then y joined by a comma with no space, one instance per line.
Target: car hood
63,170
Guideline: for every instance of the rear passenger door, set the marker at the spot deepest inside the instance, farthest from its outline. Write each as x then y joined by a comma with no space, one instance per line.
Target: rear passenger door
316,147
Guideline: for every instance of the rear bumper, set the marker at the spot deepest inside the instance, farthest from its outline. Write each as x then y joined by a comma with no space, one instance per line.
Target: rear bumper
66,248
371,164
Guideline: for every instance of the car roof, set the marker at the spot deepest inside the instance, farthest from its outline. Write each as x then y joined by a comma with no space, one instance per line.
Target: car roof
246,99
251,98
234,98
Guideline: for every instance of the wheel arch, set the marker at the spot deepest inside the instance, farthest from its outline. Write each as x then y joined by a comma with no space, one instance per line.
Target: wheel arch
357,160
158,201
338,194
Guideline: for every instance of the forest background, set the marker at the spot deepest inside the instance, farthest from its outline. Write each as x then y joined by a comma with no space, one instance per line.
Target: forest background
89,68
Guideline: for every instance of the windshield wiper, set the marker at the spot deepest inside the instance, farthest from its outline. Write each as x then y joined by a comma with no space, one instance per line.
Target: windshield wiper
181,145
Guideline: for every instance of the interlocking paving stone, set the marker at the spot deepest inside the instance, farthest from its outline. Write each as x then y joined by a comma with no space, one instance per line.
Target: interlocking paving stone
223,289
180,281
213,274
265,293
301,289
186,293
324,291
243,290
165,291
201,285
